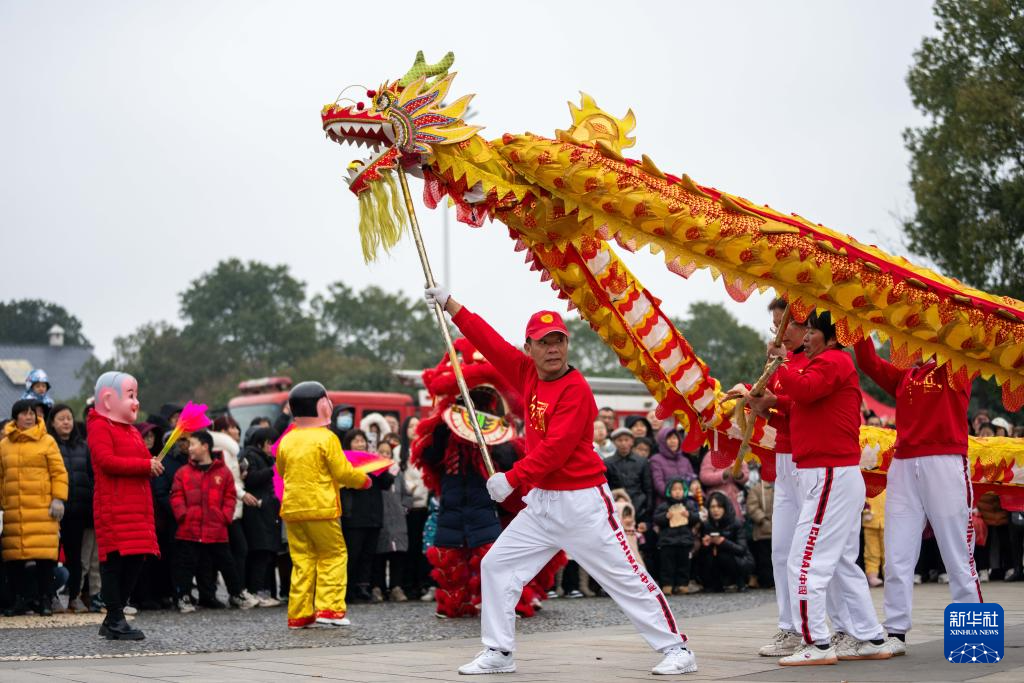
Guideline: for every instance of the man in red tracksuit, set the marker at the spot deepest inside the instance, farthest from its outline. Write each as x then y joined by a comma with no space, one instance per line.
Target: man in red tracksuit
569,505
788,495
824,433
928,481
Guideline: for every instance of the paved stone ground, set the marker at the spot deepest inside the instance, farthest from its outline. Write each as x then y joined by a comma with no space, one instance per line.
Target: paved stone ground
263,629
724,643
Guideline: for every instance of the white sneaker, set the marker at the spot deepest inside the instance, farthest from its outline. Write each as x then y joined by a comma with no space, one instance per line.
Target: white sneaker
895,646
983,575
185,606
841,639
244,600
943,578
810,655
489,662
917,579
678,660
326,621
784,643
429,595
849,648
130,611
266,601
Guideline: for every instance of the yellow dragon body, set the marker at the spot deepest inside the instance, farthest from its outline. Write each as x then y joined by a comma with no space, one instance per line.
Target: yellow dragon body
567,198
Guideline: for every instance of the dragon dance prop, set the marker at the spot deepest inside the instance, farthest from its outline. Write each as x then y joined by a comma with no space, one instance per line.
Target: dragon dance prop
377,208
566,198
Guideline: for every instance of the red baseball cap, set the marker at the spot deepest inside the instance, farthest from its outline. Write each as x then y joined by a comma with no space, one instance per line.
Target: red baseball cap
543,323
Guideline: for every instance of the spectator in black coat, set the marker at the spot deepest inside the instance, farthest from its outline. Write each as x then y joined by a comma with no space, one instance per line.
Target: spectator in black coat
260,520
78,509
675,518
628,471
724,560
362,516
156,587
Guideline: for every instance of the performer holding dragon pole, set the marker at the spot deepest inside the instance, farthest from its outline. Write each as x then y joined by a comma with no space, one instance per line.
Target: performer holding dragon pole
824,430
929,481
569,506
776,406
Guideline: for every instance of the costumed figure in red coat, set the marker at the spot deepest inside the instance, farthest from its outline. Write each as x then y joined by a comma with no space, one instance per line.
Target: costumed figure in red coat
122,501
446,451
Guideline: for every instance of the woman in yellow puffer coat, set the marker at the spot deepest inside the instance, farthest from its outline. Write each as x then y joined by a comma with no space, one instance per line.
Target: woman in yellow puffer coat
33,488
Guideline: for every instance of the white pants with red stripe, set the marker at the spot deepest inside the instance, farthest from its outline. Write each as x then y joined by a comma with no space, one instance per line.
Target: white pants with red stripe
823,557
786,511
936,489
585,525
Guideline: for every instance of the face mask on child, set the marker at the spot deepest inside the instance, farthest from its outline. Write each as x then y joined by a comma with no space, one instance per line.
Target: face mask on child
344,421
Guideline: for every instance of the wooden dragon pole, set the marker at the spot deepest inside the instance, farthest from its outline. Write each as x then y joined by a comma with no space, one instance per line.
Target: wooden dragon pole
442,323
739,413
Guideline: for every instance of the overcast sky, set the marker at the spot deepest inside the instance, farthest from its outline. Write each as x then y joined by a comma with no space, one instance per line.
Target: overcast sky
145,141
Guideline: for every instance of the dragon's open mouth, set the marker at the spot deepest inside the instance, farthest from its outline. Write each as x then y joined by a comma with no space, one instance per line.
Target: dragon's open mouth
351,126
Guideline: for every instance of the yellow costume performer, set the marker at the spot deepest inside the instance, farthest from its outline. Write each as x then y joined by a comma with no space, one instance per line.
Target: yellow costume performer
313,467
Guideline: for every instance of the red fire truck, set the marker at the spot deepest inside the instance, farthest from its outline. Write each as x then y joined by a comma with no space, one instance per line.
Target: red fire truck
267,396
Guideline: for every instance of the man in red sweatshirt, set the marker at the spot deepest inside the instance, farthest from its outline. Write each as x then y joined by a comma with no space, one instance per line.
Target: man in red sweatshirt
569,505
824,433
928,481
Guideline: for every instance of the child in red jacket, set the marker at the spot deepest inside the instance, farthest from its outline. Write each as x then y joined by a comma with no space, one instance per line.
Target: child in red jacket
203,500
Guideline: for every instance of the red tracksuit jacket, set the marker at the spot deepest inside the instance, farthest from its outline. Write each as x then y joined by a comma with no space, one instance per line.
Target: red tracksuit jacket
560,453
824,423
931,413
783,404
203,502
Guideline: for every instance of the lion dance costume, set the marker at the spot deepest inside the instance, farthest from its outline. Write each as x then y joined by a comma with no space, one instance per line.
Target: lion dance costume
446,451
313,466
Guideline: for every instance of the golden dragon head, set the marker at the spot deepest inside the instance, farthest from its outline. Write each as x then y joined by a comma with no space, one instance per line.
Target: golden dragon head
400,122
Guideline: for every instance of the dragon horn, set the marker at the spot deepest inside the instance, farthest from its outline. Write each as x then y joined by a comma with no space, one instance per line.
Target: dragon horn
421,68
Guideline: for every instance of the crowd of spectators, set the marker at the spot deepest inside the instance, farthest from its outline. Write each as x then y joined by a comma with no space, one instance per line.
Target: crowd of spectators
695,527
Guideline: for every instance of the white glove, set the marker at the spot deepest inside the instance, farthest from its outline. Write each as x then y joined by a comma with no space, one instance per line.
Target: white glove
439,294
57,509
498,487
